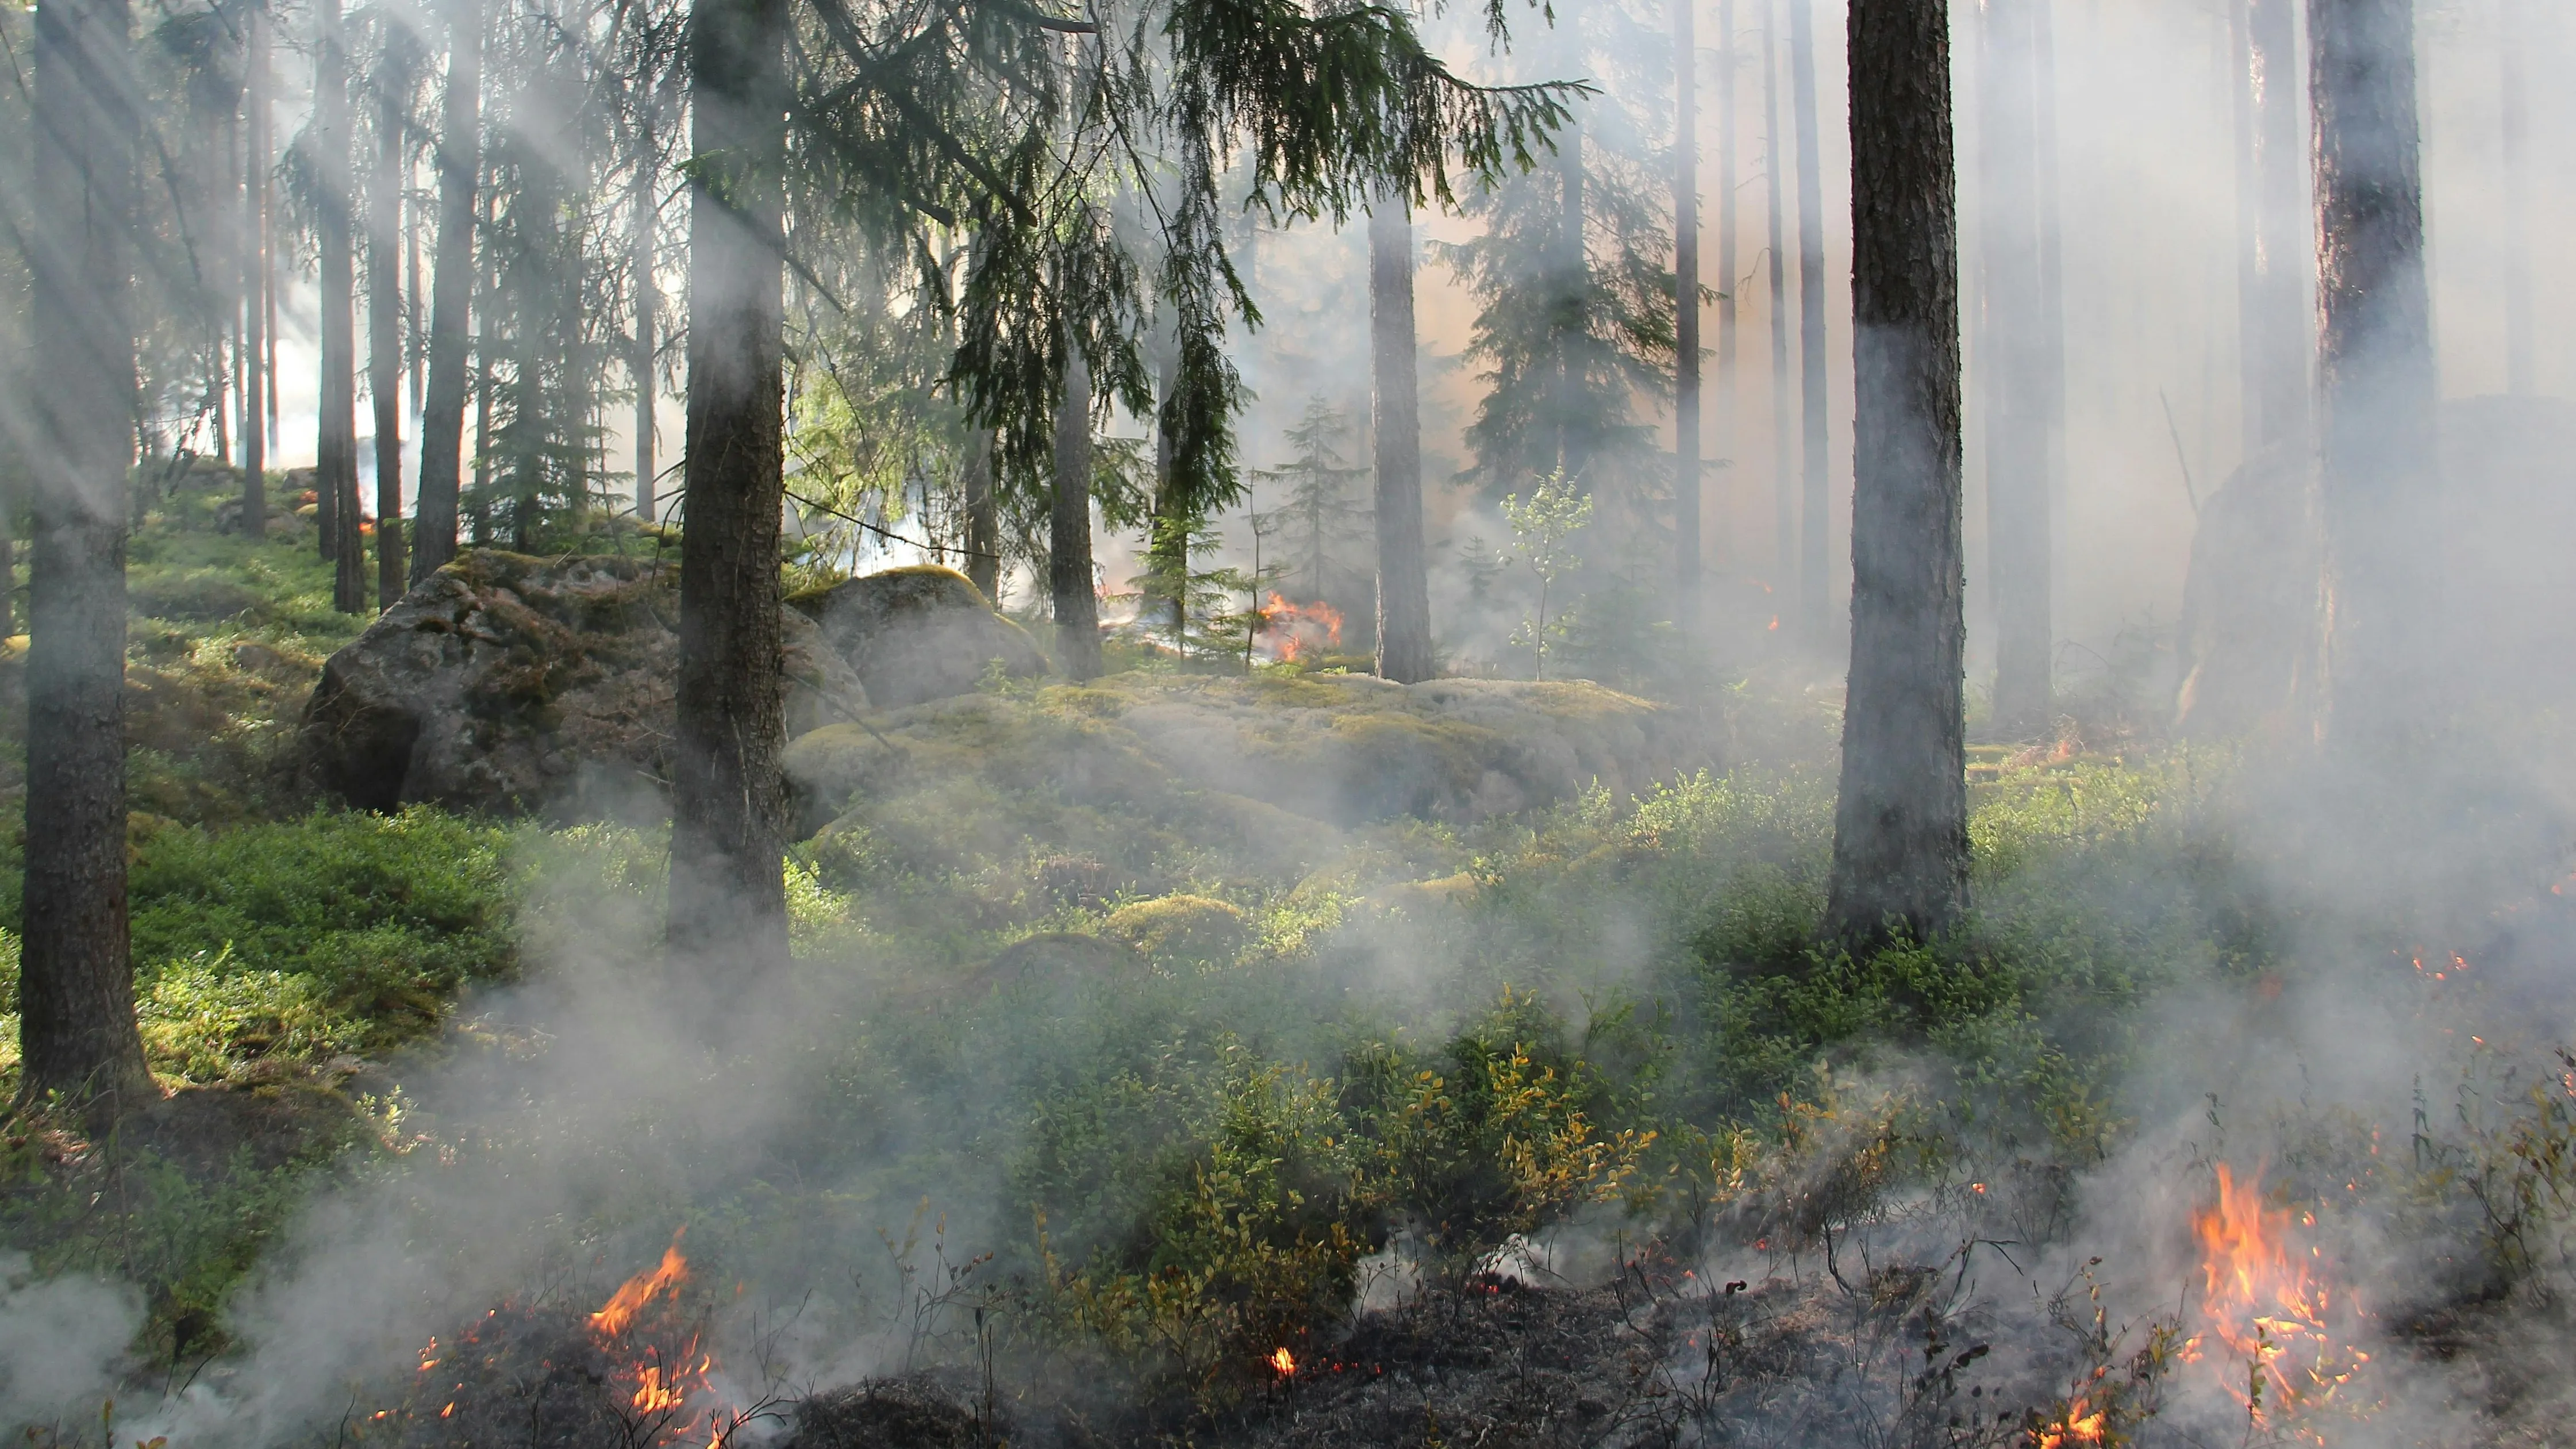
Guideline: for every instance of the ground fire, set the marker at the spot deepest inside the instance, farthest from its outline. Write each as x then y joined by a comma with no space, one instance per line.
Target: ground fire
2270,1317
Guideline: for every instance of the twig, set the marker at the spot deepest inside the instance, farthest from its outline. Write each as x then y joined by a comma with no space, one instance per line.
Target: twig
2188,491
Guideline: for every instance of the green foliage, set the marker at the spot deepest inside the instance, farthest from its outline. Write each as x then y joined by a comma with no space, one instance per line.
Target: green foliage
1543,529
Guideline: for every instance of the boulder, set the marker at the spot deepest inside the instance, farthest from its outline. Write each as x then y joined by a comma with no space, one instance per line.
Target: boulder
2252,603
505,682
919,633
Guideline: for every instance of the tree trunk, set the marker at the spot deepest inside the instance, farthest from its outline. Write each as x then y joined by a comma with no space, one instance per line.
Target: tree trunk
1403,583
254,276
1167,548
1901,823
1784,486
2513,95
983,518
1077,603
1729,426
2278,310
76,1028
1574,302
2052,270
335,446
451,296
384,311
647,298
2375,364
1686,527
2015,390
729,798
1815,460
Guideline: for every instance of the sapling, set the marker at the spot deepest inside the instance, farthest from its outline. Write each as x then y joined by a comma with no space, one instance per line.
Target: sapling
1542,529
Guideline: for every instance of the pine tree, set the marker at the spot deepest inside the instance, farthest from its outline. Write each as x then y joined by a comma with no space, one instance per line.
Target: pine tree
1321,511
451,294
1404,652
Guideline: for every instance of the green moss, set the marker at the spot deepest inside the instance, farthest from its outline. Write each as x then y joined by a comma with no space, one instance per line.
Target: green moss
1182,928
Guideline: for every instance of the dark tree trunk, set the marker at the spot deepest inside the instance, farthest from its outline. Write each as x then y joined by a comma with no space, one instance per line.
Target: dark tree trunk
983,518
2375,366
2015,393
1069,582
647,306
1403,583
1901,822
76,1027
729,801
1729,426
1784,484
451,296
384,311
1686,527
335,445
254,275
2277,310
2513,96
1167,549
1815,461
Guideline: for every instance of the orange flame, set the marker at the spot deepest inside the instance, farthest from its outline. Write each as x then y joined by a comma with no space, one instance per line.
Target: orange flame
630,1298
1291,627
2075,1426
2268,1308
1284,1362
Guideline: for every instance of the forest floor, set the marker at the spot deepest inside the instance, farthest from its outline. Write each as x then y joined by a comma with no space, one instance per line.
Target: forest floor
1543,1126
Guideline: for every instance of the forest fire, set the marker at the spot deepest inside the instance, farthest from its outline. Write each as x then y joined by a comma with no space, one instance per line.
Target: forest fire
2268,1313
1294,631
1283,1363
622,1306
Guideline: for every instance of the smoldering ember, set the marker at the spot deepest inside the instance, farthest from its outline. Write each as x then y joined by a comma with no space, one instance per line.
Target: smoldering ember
1263,724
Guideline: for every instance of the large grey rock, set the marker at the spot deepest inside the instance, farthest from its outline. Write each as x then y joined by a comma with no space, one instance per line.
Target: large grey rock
2253,605
505,682
919,633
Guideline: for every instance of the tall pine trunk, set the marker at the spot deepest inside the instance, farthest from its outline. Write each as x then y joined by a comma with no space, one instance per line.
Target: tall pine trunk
1686,525
2015,391
2277,312
647,309
451,295
335,444
1900,861
1730,425
1784,482
983,517
729,798
1573,303
384,309
254,273
1815,460
1167,546
1069,583
76,1028
1403,582
2513,97
2375,366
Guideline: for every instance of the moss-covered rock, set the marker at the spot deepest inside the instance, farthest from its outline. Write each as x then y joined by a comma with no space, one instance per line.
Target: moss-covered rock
919,633
505,682
1179,929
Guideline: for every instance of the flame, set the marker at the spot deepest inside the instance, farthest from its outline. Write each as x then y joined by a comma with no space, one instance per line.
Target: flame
630,1298
658,1390
1284,1362
2075,1426
2270,1310
1291,627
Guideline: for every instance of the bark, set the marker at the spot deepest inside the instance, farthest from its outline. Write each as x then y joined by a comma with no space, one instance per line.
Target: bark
2052,267
647,298
384,316
1686,525
1403,582
451,295
1900,860
254,277
1069,582
1784,487
2278,310
1728,425
729,797
1574,302
1815,462
2513,96
2375,366
76,1025
983,518
2015,393
1167,548
335,445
